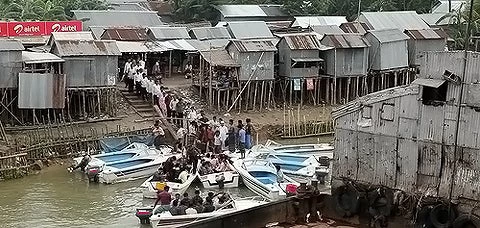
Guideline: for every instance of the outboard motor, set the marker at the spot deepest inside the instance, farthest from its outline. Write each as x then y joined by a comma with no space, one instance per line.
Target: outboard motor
144,215
92,172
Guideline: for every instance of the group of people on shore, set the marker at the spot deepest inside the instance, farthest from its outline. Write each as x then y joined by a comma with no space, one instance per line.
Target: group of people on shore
184,205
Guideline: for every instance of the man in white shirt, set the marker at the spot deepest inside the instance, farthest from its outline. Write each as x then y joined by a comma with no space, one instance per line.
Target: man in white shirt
141,63
223,133
173,105
138,79
126,68
144,85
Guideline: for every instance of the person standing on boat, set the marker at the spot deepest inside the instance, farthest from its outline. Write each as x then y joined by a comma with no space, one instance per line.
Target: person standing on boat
164,197
158,133
280,177
248,134
241,140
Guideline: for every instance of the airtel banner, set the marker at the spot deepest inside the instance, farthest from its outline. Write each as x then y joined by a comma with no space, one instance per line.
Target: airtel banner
38,28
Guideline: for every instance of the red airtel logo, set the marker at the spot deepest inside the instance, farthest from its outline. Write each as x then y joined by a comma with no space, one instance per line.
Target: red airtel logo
64,28
27,29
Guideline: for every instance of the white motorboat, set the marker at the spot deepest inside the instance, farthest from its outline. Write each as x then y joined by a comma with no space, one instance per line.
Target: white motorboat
131,168
229,178
149,188
133,150
318,150
166,219
260,176
293,164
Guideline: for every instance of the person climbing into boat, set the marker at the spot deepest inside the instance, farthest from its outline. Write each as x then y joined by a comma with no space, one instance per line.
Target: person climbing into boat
280,177
241,140
159,134
168,168
248,134
83,163
165,198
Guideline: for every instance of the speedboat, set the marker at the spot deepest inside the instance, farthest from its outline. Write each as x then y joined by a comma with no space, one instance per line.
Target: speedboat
229,178
260,176
293,164
318,150
133,150
133,168
166,219
149,188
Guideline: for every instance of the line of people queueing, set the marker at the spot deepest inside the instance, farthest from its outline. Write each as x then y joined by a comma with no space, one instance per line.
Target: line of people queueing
186,205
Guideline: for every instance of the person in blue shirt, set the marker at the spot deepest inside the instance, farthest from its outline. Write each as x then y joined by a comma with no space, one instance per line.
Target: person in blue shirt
241,140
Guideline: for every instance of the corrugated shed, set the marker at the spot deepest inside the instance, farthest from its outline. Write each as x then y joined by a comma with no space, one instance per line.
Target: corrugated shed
11,45
127,7
388,35
348,40
355,27
39,57
40,91
112,18
124,34
393,20
327,29
426,34
249,30
86,48
308,21
219,58
168,33
241,11
253,45
302,42
210,33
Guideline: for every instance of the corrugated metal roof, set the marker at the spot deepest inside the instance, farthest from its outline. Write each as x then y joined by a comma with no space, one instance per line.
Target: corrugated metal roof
140,47
127,6
308,21
168,33
273,10
209,33
219,58
302,42
97,31
442,7
389,35
393,20
86,48
241,11
32,40
39,57
347,40
182,45
71,36
426,34
355,27
124,34
434,83
249,30
327,29
11,45
191,25
205,45
112,18
253,45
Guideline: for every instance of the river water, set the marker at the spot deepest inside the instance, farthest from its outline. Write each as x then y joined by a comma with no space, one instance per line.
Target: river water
57,198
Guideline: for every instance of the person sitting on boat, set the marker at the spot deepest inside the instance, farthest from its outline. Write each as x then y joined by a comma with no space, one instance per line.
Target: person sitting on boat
280,177
222,164
176,200
207,158
181,209
206,168
183,176
174,207
164,197
158,176
168,168
185,200
83,163
208,205
197,201
221,202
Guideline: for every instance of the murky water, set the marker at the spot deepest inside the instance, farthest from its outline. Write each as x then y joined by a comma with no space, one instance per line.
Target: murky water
57,198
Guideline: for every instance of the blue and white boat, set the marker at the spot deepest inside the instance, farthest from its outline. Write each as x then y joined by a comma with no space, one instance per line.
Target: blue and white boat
317,150
260,176
292,164
133,150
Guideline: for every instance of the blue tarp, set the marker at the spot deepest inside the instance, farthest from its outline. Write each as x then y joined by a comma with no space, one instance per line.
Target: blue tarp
108,145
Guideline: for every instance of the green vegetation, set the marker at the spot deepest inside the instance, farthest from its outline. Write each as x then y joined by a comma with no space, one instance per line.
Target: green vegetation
48,10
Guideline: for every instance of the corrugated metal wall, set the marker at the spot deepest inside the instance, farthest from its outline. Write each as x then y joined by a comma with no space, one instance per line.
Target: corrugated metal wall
41,91
10,66
393,55
90,71
416,49
304,72
248,61
348,62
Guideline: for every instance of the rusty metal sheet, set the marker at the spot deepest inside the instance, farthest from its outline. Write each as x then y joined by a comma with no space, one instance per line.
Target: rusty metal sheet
125,34
210,33
86,48
302,42
219,58
168,33
253,45
426,34
355,27
40,91
347,40
446,181
467,178
434,83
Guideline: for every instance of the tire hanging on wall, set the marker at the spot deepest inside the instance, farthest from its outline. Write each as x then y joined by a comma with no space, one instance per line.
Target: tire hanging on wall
346,201
442,216
467,221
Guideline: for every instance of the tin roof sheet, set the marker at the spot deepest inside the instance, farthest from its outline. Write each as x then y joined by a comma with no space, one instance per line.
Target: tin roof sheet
347,40
389,35
11,45
39,57
182,45
327,29
308,21
209,33
112,18
302,42
249,30
124,34
205,45
253,45
86,48
168,33
393,20
355,27
219,57
241,11
426,34
127,6
434,83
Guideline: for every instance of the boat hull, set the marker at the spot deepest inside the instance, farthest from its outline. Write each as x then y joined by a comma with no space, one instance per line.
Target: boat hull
210,181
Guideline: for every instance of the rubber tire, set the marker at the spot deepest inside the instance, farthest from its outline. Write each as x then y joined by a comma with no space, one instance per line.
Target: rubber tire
346,201
463,220
423,218
442,216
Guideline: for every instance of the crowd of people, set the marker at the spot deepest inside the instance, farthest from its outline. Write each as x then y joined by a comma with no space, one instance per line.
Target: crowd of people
215,163
184,205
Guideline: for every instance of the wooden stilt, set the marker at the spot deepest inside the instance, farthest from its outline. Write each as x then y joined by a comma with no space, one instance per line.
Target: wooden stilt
261,96
255,95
